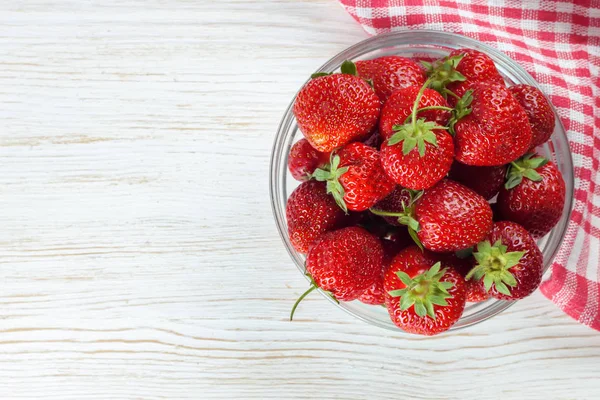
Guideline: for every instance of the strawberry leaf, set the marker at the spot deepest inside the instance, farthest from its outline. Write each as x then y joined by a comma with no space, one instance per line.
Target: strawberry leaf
439,300
415,238
524,167
532,174
408,144
406,302
403,276
443,72
319,74
420,309
398,292
348,67
430,137
501,287
429,307
420,146
513,181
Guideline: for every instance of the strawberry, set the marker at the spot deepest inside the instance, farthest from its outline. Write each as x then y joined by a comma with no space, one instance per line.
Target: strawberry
513,260
344,263
485,181
534,194
399,106
355,177
333,110
451,217
426,153
494,130
423,296
304,160
393,241
454,74
538,110
310,212
390,73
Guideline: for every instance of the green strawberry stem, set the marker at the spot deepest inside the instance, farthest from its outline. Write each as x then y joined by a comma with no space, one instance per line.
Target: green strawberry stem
461,110
310,289
424,291
443,72
451,93
435,108
493,265
331,173
417,101
417,132
406,216
524,167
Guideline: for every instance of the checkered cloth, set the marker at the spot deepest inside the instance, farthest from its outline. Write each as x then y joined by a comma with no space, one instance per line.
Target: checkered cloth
558,42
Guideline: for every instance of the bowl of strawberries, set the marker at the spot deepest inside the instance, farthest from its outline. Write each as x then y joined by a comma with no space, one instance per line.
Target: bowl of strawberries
421,181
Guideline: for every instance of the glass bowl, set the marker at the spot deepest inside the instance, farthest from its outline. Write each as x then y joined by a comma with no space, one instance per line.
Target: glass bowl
417,44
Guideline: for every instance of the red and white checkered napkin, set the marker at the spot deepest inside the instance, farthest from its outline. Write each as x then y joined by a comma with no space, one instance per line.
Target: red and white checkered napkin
558,42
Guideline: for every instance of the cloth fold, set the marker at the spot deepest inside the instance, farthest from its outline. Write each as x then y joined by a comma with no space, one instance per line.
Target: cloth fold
558,43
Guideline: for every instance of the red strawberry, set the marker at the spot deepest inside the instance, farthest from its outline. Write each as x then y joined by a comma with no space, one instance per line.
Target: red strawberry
496,131
395,240
310,212
344,263
454,74
304,160
423,296
475,66
452,217
485,181
514,261
534,195
334,110
426,153
355,177
476,293
398,108
539,112
390,73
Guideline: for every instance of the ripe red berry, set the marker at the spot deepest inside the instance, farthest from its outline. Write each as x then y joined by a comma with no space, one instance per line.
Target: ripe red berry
509,263
538,109
310,212
423,296
304,160
390,73
452,217
420,152
334,110
475,66
534,195
485,181
495,132
344,263
399,106
355,177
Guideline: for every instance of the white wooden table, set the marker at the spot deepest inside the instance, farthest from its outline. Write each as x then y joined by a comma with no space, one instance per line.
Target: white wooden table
139,257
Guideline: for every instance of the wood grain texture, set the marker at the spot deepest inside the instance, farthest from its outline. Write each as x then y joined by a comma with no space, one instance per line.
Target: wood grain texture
139,257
